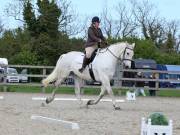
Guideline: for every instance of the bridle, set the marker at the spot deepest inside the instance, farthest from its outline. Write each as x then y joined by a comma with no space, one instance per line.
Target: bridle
124,52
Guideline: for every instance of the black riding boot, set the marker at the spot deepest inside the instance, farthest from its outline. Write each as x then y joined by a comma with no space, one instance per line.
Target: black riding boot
85,63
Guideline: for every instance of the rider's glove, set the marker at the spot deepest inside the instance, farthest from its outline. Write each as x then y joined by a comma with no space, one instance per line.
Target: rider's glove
99,43
106,43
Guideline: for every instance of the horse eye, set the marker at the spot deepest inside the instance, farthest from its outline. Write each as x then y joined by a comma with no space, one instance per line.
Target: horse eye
127,53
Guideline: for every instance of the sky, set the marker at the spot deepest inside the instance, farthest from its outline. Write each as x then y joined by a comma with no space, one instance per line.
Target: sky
168,9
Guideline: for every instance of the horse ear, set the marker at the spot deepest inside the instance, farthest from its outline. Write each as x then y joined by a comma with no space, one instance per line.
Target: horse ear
133,45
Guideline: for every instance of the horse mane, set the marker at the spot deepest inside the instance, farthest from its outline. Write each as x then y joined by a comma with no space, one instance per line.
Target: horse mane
119,43
113,45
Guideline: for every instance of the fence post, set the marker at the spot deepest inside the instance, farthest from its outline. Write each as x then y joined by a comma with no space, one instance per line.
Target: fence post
119,75
5,81
44,73
157,82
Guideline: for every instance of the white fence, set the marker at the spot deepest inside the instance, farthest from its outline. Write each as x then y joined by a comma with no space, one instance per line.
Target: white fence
149,129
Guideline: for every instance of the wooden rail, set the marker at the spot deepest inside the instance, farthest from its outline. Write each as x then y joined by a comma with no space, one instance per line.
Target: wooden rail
120,79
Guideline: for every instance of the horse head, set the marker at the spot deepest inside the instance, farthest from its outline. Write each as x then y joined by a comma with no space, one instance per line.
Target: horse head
127,55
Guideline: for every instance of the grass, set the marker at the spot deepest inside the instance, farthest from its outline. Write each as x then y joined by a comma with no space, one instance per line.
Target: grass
87,91
169,93
62,90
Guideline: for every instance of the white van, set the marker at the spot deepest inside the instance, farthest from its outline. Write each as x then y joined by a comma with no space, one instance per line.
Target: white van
3,62
12,75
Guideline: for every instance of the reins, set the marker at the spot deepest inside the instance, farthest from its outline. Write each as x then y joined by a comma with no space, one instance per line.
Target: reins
118,58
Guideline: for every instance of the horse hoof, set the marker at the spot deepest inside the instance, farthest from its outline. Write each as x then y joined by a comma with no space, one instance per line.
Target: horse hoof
47,101
89,102
117,108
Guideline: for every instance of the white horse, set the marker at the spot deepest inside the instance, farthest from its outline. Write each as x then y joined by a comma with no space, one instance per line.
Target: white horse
103,66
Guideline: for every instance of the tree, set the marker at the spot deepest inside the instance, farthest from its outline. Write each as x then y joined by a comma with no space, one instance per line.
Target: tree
43,29
30,19
25,57
14,9
126,24
16,43
172,34
152,26
8,44
1,27
121,27
177,47
170,43
49,17
68,21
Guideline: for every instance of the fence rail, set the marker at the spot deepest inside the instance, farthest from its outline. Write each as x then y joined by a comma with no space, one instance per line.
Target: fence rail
120,79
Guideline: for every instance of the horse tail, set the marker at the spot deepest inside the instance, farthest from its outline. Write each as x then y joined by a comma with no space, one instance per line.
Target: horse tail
53,76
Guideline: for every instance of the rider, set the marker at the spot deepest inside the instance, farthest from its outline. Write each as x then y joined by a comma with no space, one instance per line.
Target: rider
95,38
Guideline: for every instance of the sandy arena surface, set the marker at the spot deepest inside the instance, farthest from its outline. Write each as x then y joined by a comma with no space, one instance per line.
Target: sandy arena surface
17,108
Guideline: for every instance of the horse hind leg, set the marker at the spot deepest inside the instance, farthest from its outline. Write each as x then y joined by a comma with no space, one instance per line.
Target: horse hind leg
57,84
50,99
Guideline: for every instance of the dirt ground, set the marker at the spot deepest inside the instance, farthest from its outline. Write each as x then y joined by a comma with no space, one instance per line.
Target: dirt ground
16,110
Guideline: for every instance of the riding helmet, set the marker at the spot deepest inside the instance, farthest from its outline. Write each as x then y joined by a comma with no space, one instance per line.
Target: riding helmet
95,19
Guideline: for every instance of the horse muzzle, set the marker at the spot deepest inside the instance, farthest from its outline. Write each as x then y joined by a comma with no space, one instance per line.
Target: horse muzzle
131,65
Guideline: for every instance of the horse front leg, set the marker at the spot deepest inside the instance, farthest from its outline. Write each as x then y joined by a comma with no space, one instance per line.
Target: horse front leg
50,99
93,102
111,94
106,84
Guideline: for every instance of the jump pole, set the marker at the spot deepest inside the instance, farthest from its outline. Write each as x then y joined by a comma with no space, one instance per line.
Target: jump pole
74,99
67,124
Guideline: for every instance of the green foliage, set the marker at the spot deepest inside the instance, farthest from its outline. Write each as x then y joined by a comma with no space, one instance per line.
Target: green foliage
46,40
167,58
146,49
29,17
8,44
49,17
169,43
15,46
143,48
41,42
95,91
25,58
158,119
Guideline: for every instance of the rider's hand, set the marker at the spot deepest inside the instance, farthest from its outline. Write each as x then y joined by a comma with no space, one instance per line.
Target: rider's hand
99,43
106,43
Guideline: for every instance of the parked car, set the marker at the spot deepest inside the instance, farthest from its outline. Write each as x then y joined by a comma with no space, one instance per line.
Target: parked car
91,82
12,75
1,74
146,64
69,80
23,78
